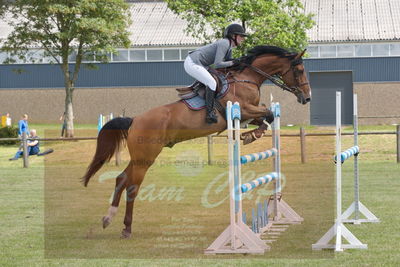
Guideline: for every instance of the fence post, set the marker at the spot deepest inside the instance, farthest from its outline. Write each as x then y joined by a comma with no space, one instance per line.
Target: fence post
398,143
25,150
210,149
303,144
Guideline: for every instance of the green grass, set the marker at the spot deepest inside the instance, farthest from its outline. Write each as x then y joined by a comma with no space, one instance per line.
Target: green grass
48,219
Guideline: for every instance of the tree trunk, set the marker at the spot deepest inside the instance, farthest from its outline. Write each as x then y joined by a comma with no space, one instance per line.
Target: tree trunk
69,113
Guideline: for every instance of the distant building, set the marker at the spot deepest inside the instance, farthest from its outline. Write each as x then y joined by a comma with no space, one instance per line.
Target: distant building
354,47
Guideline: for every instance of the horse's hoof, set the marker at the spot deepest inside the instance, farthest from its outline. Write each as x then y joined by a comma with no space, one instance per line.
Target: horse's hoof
125,234
106,221
247,140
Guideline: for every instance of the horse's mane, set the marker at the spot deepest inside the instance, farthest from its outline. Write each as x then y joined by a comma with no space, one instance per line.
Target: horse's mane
259,50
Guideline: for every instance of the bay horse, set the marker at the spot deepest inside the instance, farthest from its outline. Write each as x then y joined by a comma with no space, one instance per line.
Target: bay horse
147,134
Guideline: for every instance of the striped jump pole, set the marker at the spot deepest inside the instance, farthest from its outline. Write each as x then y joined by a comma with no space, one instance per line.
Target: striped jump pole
246,187
258,156
338,230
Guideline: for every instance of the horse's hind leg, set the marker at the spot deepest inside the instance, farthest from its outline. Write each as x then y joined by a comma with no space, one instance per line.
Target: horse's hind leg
135,179
143,155
120,185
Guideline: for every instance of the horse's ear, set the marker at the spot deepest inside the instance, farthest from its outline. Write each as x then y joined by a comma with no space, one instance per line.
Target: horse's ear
301,54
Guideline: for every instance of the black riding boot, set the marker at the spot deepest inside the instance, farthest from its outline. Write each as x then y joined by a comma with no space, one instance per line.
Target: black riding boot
210,98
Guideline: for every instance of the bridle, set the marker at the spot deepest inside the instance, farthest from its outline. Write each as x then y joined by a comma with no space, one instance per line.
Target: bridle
277,79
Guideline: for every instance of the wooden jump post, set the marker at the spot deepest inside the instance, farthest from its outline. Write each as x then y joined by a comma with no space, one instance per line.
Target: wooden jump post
338,230
238,237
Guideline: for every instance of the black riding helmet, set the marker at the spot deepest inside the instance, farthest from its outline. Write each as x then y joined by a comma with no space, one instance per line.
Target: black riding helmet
234,29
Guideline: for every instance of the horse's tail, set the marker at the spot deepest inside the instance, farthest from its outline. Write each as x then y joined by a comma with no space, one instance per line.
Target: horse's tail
108,141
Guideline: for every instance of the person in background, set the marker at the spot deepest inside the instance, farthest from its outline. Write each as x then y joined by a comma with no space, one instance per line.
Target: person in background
8,120
23,125
33,146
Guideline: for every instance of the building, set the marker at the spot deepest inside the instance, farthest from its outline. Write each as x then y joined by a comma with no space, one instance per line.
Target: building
354,47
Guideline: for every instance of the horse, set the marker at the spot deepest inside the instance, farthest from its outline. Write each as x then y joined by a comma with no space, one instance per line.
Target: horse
147,134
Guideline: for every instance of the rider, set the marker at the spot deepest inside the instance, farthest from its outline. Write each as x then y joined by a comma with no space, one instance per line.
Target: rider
218,54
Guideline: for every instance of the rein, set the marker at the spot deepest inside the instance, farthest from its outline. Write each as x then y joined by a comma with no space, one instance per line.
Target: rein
244,81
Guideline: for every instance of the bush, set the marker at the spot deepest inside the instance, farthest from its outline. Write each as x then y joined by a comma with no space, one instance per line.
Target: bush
8,132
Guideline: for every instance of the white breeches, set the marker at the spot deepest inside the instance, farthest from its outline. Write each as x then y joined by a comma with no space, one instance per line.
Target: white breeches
199,73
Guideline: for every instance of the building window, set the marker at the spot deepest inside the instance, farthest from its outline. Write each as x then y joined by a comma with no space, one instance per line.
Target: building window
185,52
3,56
327,51
17,59
121,56
154,55
34,56
395,49
101,57
363,50
345,51
89,57
313,51
72,57
138,55
380,50
171,54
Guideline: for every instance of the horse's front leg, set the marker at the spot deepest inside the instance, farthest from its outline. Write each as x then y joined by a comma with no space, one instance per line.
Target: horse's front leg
262,122
257,112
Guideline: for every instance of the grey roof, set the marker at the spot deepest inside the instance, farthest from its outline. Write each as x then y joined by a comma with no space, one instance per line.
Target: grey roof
336,21
354,20
154,24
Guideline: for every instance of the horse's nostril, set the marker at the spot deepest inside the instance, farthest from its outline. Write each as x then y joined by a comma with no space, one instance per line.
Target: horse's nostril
308,99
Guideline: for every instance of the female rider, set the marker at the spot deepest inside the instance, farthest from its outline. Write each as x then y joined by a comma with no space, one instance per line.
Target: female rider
218,54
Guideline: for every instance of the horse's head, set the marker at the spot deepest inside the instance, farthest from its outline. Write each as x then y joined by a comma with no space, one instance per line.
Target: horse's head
272,61
295,78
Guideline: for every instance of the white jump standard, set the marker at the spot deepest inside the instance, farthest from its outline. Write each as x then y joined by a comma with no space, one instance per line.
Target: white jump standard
238,237
357,208
338,230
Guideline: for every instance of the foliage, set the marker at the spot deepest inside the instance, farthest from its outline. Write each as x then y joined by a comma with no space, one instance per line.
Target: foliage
81,29
274,22
8,132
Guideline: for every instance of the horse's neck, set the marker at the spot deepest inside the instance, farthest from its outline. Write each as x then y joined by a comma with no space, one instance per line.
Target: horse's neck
269,64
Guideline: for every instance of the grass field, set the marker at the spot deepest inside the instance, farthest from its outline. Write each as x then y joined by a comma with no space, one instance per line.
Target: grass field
47,218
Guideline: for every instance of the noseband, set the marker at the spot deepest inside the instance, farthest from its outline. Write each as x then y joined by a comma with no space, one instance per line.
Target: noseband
277,79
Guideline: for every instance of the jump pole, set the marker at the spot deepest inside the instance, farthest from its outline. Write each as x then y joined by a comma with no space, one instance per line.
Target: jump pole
338,230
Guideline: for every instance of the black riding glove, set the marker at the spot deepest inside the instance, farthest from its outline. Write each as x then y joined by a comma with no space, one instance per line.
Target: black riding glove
235,62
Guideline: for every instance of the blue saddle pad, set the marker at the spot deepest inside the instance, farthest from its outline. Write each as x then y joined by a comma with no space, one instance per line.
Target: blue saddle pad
197,101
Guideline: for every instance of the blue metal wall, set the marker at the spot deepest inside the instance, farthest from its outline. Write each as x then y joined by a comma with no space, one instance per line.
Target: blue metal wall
173,74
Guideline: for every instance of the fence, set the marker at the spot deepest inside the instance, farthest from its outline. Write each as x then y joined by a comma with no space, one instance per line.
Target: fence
302,135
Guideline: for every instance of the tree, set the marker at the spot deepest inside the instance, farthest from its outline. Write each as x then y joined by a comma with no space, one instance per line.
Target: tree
274,22
87,29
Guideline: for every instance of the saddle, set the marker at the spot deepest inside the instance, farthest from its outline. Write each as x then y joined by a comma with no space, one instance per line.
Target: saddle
194,94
